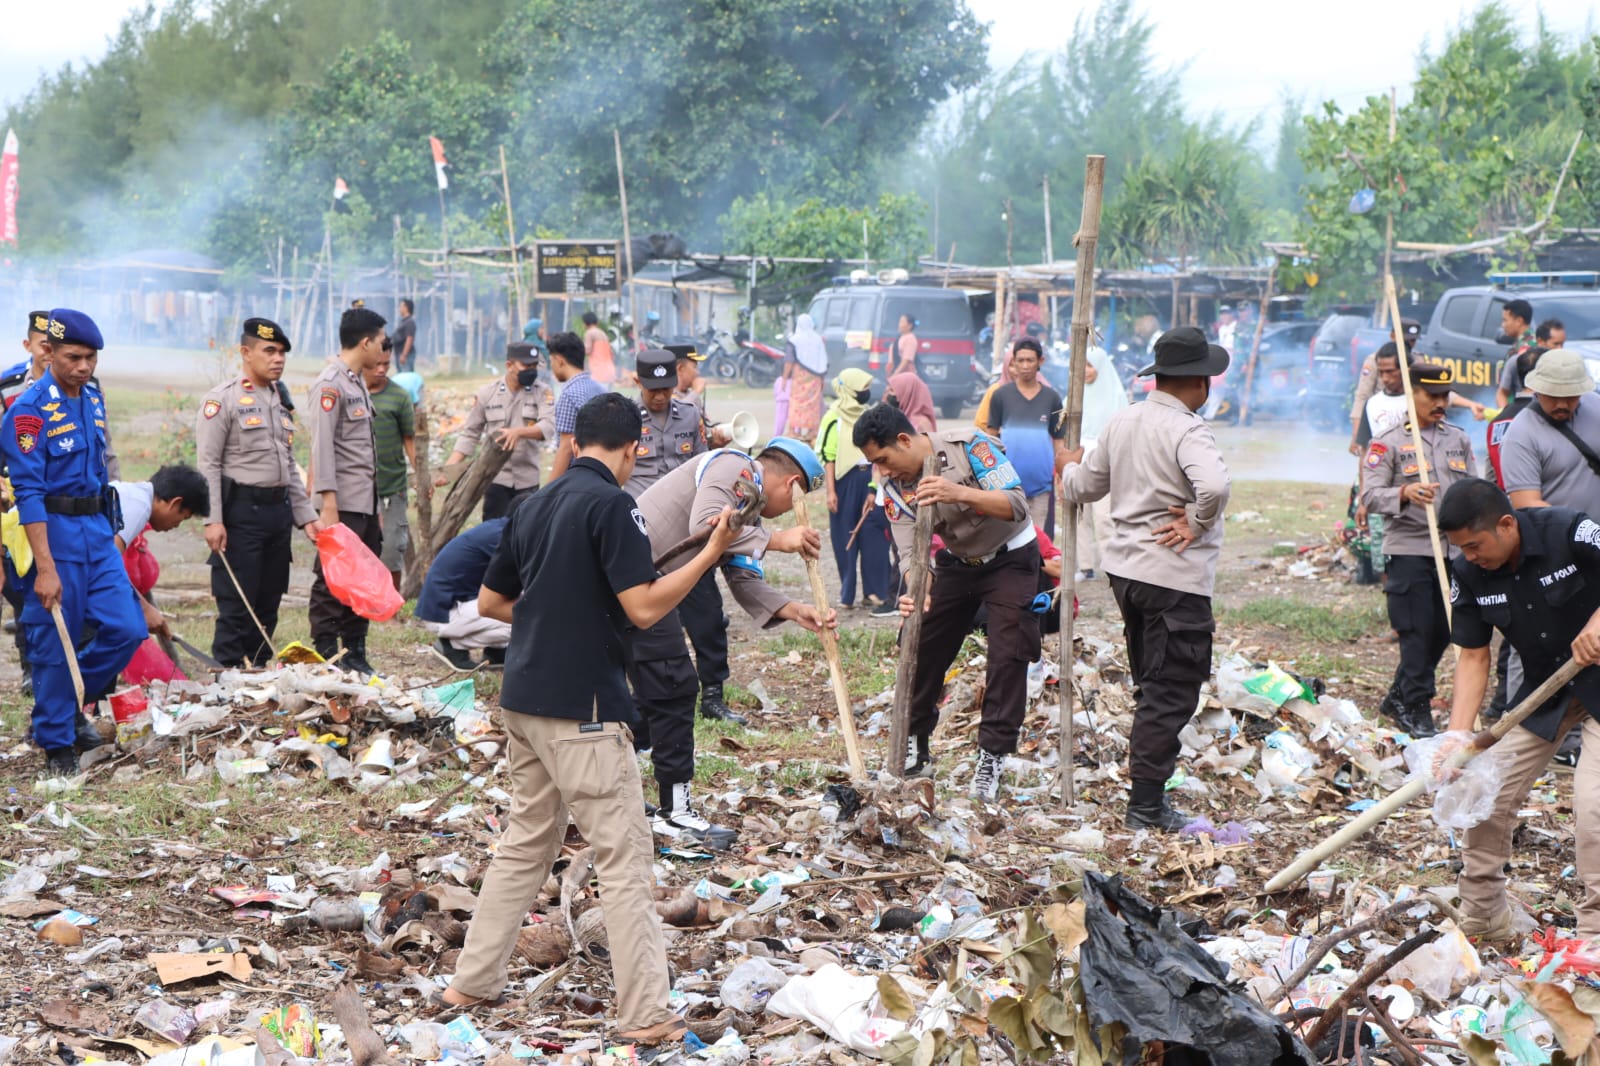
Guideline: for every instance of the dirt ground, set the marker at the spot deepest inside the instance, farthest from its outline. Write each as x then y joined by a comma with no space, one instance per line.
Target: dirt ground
150,837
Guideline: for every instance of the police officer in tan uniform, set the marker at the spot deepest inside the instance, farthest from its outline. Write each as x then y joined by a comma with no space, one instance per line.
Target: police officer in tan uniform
990,558
673,433
659,669
519,412
1159,465
344,472
1392,485
244,440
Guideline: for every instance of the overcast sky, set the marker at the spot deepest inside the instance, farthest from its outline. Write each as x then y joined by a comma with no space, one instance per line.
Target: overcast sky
1238,56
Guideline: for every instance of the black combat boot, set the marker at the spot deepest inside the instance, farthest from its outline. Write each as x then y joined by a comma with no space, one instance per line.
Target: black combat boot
1148,809
1419,720
711,706
60,762
87,737
355,658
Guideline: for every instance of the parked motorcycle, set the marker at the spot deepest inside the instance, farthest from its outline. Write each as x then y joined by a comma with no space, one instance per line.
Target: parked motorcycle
760,364
722,362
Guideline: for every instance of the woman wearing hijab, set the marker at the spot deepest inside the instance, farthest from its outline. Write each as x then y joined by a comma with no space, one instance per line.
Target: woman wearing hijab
910,393
856,524
805,368
1103,396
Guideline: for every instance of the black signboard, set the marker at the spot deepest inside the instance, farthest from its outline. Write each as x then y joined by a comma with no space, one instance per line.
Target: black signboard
577,268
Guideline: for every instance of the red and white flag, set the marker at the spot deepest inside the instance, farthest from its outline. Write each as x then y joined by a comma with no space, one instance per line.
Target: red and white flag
439,162
8,190
340,189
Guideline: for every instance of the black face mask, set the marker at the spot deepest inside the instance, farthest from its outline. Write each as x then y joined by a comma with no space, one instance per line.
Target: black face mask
527,377
892,400
863,396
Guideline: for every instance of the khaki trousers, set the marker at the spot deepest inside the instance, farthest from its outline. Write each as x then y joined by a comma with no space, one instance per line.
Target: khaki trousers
555,770
1488,844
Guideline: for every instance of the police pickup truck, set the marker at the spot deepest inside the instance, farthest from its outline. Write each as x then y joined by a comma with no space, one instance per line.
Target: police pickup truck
1465,333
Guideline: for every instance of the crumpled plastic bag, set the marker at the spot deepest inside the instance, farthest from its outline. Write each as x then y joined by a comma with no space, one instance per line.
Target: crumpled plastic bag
1468,798
1141,969
356,577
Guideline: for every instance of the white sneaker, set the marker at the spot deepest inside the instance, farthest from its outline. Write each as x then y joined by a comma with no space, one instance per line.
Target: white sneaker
986,777
682,823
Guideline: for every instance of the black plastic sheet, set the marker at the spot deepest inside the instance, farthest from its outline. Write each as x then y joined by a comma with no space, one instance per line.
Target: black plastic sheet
1140,969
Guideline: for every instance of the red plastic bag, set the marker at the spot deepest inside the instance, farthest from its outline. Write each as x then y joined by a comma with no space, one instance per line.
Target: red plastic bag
150,663
355,576
140,562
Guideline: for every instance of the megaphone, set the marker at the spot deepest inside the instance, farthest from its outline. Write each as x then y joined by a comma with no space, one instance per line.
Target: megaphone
742,431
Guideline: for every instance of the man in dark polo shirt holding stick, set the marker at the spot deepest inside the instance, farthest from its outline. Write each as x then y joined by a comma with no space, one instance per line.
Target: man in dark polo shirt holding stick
572,570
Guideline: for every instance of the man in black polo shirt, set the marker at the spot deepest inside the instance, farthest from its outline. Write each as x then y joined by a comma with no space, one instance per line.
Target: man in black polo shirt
1535,576
573,568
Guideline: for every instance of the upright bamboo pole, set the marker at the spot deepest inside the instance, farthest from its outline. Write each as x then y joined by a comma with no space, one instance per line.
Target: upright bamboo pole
1255,345
511,235
627,232
911,630
1087,241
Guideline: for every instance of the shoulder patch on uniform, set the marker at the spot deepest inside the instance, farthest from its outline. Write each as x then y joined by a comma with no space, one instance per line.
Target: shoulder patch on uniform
1455,587
1376,453
989,465
638,520
330,397
211,408
1587,532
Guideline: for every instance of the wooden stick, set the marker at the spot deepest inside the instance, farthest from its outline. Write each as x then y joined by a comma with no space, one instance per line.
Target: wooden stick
911,630
1374,970
464,495
1087,241
1311,858
851,543
422,550
70,652
830,648
366,1047
240,590
1416,442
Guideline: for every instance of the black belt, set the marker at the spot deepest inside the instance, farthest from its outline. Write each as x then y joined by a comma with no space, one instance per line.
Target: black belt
77,505
258,493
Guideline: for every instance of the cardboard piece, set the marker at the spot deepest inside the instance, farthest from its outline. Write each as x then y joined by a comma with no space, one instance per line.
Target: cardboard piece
173,968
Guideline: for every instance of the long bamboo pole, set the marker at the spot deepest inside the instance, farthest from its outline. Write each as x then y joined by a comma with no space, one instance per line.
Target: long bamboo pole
627,232
830,649
1087,242
1416,442
1310,859
511,235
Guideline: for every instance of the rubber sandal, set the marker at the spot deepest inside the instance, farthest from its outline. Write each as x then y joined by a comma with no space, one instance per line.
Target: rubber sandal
439,1004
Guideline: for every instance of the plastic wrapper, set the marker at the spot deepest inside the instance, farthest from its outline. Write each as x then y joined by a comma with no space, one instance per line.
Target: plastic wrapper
1468,798
1141,969
751,984
356,577
150,663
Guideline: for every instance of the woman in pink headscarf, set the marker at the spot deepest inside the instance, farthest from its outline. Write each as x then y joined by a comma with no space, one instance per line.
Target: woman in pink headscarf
910,393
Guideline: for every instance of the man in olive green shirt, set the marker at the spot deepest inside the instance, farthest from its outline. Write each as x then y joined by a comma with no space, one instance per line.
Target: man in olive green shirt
394,439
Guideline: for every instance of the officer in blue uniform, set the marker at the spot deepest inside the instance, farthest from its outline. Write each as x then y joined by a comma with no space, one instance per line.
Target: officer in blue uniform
53,440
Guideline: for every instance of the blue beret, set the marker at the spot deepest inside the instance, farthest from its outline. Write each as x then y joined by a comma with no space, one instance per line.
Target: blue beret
74,327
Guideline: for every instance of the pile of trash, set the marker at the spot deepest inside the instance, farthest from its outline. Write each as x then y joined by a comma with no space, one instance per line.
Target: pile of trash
857,919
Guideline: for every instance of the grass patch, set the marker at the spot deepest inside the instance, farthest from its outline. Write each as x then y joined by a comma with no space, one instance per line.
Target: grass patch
1282,551
1316,664
867,654
1325,625
1293,510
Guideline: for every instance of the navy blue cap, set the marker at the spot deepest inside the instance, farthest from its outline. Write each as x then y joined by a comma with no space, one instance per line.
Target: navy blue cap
74,327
